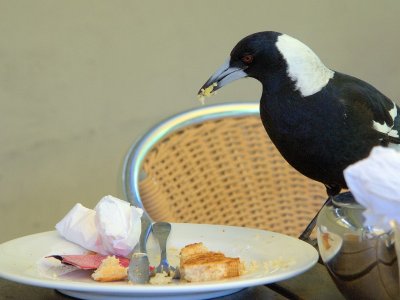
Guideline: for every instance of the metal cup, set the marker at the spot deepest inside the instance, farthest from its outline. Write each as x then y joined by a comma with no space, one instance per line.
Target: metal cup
361,260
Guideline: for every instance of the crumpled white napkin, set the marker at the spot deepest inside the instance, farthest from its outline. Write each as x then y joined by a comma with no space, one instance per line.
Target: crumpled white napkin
112,228
375,184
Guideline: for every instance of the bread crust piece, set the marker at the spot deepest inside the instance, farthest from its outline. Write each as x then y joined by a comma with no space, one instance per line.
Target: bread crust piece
199,264
190,250
110,270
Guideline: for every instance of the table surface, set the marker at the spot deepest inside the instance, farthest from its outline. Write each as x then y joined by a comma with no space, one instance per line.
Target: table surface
313,284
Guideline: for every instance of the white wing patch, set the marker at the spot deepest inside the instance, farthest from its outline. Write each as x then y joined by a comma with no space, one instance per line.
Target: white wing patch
386,129
394,133
304,66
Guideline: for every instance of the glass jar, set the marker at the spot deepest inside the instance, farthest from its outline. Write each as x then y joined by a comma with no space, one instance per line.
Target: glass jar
361,260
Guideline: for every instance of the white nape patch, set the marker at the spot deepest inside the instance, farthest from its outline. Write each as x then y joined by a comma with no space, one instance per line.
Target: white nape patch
384,128
304,66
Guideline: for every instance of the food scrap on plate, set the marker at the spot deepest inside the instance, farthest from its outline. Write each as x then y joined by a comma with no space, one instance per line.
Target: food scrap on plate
111,231
197,263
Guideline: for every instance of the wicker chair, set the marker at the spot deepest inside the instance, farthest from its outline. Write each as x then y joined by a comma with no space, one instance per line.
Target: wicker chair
216,165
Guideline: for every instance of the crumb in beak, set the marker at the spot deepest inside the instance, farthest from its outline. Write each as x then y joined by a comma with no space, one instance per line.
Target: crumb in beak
207,92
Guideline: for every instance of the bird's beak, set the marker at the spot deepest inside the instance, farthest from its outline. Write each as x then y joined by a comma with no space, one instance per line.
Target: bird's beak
224,75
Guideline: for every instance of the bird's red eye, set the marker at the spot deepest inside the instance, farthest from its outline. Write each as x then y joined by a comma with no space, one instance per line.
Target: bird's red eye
247,59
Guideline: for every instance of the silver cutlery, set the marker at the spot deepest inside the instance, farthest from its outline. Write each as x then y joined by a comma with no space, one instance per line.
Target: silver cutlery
138,271
161,231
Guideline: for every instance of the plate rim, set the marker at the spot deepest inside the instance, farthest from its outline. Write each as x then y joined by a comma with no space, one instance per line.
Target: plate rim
157,290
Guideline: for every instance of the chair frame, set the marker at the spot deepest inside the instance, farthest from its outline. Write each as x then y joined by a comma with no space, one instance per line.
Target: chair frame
139,150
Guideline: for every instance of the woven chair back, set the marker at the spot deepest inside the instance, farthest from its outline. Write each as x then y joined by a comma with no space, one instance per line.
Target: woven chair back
227,171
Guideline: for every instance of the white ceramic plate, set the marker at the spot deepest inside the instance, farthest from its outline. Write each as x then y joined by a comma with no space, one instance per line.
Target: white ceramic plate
268,257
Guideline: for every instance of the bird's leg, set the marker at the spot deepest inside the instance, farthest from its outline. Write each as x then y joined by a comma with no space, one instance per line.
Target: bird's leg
305,236
331,190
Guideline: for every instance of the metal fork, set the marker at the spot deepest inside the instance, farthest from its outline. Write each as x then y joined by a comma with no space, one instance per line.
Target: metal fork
161,232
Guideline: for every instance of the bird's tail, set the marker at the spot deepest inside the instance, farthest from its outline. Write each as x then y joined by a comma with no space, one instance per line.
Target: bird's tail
394,138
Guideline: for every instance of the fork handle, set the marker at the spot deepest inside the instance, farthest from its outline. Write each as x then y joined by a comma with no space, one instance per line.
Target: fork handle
161,231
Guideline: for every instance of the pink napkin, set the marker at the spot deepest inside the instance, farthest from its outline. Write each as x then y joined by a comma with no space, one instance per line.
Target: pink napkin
87,261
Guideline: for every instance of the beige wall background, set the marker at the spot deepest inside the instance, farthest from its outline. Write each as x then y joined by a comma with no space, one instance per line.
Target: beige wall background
81,80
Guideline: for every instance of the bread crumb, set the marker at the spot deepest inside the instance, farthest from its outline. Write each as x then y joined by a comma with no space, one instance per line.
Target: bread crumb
252,266
161,278
110,270
207,92
277,264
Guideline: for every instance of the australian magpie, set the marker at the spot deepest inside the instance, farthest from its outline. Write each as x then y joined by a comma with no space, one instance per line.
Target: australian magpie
320,120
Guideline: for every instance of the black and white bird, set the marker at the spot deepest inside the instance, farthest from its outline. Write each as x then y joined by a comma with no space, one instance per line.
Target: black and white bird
320,120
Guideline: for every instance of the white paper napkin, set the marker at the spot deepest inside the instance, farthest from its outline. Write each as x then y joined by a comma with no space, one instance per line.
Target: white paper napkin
375,184
112,228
